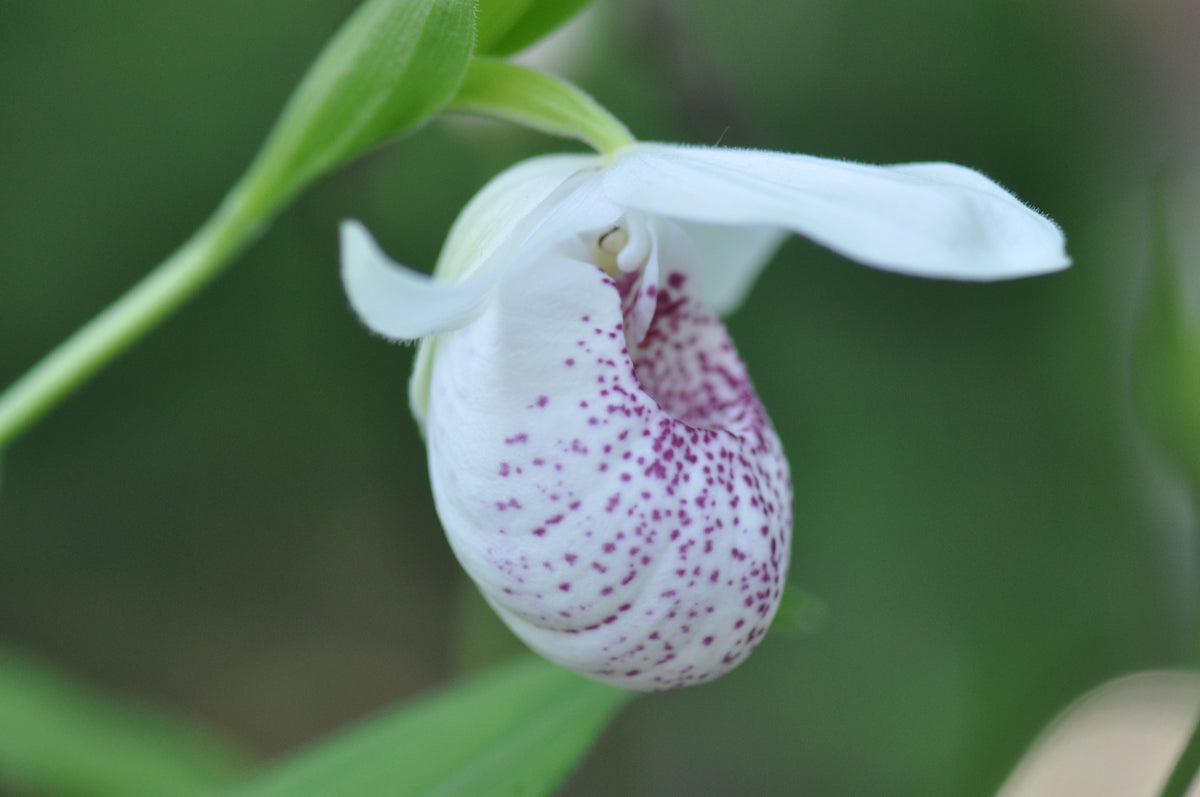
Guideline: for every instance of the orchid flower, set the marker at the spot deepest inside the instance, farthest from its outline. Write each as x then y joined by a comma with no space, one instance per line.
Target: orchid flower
599,459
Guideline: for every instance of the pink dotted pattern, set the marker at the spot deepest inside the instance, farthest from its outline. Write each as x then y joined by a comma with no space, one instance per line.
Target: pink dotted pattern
624,506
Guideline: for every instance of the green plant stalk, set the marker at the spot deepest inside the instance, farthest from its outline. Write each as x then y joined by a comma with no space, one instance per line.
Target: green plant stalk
210,249
490,87
392,65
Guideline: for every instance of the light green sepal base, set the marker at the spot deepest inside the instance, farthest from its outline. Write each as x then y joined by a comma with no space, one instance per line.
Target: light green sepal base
534,99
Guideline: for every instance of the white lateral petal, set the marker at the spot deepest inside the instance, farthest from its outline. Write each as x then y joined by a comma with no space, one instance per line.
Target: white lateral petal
931,220
497,216
516,218
397,302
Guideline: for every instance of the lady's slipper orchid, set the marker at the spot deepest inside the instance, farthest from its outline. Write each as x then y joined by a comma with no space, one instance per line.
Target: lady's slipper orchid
599,459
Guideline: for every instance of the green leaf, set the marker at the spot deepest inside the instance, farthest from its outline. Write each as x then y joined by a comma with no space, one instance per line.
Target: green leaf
495,18
506,26
503,90
59,736
1166,353
516,729
392,65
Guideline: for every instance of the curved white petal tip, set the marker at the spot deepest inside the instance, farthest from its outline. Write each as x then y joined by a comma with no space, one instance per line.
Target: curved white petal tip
925,219
397,302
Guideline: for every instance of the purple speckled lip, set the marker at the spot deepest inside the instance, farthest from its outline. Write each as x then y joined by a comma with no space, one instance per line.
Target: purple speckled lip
625,506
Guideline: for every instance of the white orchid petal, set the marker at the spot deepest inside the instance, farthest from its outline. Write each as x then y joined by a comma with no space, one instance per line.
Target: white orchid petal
641,298
628,517
501,214
519,215
397,302
730,259
523,213
931,220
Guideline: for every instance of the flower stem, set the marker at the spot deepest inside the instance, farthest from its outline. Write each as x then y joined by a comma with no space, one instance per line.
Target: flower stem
1187,767
93,346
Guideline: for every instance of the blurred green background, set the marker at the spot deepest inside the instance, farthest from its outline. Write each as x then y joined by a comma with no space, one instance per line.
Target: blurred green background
234,519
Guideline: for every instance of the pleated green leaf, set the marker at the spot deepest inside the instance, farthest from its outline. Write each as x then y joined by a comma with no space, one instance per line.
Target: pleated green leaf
60,736
516,730
497,88
393,65
1166,352
506,26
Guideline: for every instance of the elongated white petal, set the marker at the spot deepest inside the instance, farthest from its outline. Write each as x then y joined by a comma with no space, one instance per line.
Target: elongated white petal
626,511
519,216
930,220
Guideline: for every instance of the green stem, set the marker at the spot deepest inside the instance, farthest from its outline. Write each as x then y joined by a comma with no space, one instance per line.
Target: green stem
1186,767
491,87
94,345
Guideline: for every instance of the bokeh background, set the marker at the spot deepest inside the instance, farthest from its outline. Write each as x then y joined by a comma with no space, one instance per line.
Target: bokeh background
234,519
